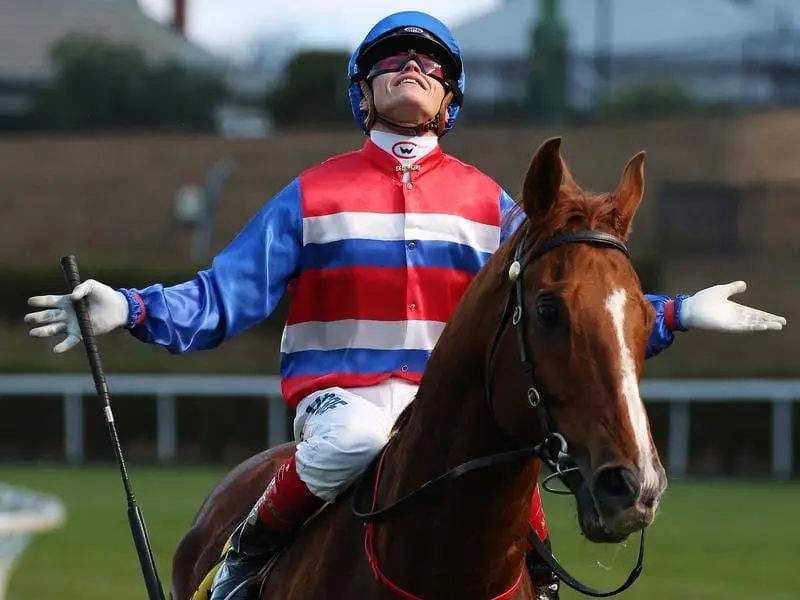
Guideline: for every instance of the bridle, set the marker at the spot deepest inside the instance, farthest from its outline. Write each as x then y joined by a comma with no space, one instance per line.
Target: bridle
553,450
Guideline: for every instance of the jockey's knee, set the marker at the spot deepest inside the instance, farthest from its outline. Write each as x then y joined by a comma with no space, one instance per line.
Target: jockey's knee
331,461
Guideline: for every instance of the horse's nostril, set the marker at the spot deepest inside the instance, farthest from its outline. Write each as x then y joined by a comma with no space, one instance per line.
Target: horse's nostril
616,487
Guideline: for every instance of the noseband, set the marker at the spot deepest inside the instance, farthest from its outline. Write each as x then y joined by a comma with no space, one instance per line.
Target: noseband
553,450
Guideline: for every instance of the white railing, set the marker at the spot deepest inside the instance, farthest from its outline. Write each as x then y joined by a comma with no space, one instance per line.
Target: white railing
679,393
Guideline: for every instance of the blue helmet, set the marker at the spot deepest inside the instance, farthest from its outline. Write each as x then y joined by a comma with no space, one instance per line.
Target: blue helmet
408,29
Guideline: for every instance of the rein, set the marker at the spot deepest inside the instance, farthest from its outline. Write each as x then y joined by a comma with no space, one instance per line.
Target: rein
369,548
553,450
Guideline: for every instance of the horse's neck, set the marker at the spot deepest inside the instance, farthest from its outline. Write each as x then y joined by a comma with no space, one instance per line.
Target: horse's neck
474,526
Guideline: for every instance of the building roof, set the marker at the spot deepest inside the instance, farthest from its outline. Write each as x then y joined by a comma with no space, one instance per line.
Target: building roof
640,26
29,27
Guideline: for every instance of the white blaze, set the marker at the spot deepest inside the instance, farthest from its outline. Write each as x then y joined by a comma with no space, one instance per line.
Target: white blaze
629,387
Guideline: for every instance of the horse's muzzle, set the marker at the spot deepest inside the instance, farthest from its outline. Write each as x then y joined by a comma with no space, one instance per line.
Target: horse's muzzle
614,505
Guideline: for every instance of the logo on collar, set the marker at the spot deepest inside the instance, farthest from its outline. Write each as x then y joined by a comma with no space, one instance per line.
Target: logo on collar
404,149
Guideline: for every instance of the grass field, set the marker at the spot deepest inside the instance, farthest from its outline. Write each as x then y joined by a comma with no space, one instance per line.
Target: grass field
711,541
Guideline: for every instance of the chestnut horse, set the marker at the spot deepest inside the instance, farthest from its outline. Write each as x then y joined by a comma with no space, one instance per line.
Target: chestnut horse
540,361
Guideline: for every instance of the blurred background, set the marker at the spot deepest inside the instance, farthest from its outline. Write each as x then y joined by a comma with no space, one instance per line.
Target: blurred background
141,135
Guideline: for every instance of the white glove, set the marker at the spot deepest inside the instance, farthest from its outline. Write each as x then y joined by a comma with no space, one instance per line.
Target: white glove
710,309
108,310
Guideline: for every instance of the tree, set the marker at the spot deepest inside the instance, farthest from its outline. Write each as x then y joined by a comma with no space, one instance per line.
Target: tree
99,84
312,90
649,100
548,76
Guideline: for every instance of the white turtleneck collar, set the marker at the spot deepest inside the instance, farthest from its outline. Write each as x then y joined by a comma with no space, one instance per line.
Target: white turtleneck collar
406,149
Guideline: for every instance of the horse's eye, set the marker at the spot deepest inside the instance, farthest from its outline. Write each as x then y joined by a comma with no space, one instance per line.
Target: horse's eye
548,313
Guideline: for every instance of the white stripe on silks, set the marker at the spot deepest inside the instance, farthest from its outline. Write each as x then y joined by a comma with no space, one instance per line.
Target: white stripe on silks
370,335
449,228
399,227
353,225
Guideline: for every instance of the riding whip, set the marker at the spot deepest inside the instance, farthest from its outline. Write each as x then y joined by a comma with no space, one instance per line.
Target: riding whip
140,539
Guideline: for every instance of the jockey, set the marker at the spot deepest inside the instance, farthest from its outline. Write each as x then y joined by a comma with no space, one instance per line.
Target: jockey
378,245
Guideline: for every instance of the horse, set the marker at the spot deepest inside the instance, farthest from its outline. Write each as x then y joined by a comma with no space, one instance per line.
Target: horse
539,364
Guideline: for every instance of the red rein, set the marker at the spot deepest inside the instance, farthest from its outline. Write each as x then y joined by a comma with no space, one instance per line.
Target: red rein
369,549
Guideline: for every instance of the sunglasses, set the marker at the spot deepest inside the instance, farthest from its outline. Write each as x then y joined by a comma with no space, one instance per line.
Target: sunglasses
397,62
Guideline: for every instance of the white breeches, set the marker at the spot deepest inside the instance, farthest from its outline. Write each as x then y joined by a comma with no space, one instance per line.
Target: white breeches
339,431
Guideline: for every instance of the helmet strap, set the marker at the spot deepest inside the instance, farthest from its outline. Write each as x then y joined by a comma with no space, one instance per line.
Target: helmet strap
436,124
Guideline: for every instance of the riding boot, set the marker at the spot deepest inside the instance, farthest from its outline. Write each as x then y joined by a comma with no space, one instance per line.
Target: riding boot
545,581
276,517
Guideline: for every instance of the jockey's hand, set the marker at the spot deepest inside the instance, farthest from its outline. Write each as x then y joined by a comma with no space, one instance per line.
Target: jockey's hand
711,310
108,310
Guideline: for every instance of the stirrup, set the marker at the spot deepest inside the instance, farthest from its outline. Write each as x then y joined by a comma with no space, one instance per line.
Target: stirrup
239,586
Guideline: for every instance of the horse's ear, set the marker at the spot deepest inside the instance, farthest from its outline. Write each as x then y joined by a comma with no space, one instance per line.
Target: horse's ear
543,180
630,192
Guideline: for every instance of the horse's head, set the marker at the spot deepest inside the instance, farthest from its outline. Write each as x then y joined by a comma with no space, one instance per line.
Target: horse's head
582,321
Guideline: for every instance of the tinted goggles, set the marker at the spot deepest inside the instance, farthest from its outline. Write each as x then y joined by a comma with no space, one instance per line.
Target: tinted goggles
398,61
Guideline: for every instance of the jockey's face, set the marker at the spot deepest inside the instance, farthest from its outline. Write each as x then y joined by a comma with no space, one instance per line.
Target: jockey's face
407,96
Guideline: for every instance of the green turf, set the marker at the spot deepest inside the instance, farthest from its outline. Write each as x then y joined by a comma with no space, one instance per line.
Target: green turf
711,541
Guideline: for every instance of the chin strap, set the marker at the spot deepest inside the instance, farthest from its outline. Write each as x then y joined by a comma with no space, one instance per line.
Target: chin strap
437,123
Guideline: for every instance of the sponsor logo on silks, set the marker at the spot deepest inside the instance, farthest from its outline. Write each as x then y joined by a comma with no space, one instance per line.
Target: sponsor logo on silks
404,149
324,403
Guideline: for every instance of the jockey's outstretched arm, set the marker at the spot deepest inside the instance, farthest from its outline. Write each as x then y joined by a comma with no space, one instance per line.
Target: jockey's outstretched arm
243,286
